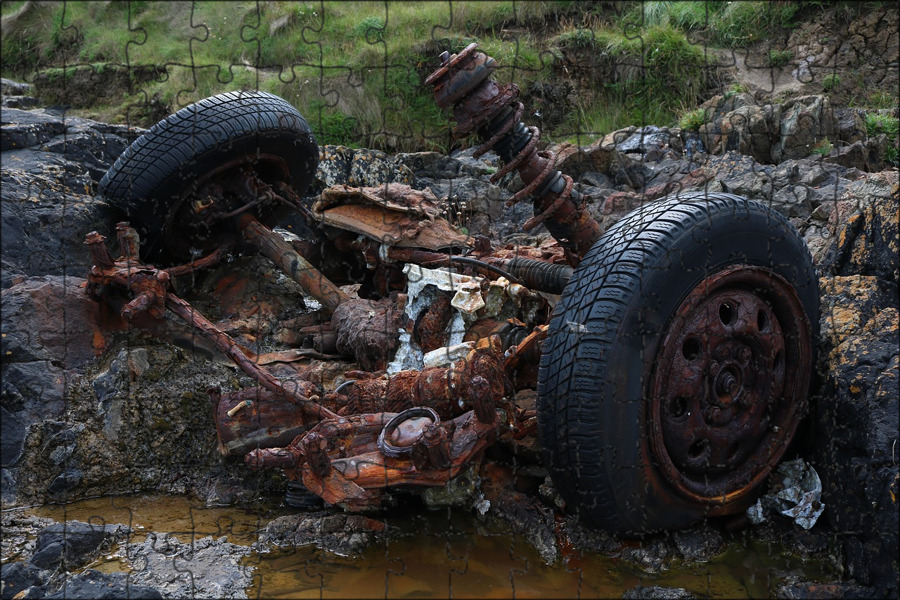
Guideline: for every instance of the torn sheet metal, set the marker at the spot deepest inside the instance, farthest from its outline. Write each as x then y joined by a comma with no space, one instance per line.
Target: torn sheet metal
795,491
423,286
394,214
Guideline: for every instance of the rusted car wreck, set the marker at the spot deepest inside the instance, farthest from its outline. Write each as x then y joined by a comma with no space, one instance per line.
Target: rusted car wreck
671,354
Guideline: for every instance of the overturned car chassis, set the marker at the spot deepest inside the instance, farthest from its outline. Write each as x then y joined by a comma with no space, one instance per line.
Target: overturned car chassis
447,328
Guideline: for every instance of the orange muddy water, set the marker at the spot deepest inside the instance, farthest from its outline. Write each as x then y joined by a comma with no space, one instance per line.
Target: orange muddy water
438,554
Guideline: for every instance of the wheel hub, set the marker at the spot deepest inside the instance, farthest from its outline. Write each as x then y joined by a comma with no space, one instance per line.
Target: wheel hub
730,382
199,221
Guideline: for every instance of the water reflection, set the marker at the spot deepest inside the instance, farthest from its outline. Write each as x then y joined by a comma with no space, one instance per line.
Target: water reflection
434,554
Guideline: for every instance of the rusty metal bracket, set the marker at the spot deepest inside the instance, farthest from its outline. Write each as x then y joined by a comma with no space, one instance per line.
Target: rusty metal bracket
150,288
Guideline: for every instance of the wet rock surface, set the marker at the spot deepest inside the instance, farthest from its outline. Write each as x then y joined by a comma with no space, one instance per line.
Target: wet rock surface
341,534
206,568
655,591
94,584
73,543
91,405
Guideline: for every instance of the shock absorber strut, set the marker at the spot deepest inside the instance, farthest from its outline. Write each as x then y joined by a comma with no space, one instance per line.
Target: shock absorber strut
463,82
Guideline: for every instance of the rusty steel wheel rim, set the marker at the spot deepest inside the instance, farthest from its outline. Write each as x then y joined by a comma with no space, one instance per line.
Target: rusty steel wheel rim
729,384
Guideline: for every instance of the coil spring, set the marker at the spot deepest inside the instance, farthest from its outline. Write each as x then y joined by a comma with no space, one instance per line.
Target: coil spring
463,82
545,179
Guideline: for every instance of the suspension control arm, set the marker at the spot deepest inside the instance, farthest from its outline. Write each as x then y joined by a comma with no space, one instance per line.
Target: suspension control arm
292,263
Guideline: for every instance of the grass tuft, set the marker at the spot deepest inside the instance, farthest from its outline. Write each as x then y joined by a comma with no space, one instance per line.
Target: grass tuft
878,123
830,82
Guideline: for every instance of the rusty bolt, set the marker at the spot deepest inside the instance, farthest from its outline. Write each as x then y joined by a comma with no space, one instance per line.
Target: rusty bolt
99,253
480,397
315,448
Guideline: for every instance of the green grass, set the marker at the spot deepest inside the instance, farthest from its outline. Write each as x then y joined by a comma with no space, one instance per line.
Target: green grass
891,156
637,74
881,99
779,58
876,123
735,89
356,69
725,24
830,82
692,120
823,147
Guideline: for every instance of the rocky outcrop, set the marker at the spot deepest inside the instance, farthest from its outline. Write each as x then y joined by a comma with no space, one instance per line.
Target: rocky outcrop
73,543
865,47
51,165
856,415
798,128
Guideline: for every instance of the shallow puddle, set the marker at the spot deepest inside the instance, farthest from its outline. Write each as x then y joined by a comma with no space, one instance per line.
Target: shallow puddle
437,554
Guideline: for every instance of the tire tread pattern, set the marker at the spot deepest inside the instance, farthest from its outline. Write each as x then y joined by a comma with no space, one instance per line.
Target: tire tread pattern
584,330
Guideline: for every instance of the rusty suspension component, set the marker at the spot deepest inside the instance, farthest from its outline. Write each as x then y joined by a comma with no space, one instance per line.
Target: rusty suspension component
447,390
534,274
150,286
463,82
537,274
340,460
257,418
293,264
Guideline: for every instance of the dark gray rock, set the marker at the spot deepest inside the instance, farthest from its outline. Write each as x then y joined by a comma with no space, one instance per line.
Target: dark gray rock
92,584
343,534
657,592
644,140
21,102
431,165
651,556
26,128
49,327
65,482
804,122
486,164
18,576
858,154
793,201
340,165
857,412
735,123
8,87
32,393
47,210
669,169
850,125
742,175
206,567
698,545
73,543
813,590
865,217
630,175
49,318
693,145
595,179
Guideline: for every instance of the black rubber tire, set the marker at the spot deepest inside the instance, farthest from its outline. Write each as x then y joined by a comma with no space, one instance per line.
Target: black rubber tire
607,330
156,173
296,495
